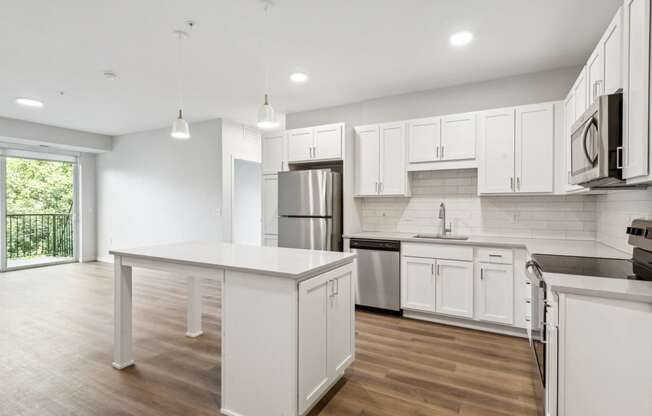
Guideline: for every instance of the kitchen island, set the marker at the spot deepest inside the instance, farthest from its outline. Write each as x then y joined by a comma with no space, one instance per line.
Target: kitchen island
288,324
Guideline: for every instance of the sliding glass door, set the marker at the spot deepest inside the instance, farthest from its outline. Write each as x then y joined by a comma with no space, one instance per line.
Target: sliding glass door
40,209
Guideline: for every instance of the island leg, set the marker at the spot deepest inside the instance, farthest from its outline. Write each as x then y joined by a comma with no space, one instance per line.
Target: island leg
122,335
194,307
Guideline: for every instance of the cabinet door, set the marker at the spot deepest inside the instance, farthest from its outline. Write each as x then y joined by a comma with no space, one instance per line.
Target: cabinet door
300,144
580,91
270,204
636,91
392,159
424,140
454,287
496,173
367,160
274,154
458,137
595,74
328,142
418,284
612,50
340,324
314,372
535,148
496,293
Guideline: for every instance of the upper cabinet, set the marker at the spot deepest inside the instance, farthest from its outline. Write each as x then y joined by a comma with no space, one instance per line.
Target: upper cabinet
439,139
321,143
581,93
380,160
604,67
274,156
517,150
636,89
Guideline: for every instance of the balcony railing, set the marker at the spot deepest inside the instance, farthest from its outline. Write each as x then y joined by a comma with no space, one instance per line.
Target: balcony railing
35,235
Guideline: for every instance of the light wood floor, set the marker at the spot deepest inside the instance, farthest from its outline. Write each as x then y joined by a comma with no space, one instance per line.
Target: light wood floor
55,356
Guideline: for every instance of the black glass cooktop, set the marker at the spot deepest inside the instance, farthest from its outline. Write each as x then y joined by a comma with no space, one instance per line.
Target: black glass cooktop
593,266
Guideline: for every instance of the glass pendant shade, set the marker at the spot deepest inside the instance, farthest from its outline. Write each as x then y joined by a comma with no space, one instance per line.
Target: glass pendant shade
266,116
180,128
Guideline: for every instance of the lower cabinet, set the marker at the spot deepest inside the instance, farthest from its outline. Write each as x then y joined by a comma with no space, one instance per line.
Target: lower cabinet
326,333
434,285
496,293
454,288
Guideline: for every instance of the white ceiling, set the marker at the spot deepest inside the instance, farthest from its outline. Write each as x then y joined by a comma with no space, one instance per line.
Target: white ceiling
351,49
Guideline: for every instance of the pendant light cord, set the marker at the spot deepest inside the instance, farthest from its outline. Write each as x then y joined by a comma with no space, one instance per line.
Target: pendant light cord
264,54
179,82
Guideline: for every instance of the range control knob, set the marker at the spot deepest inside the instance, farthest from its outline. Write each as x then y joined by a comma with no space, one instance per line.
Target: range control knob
634,231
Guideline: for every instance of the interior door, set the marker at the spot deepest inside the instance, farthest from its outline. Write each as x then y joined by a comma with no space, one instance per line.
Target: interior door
340,324
367,157
418,284
424,140
458,137
497,154
300,142
314,372
392,159
496,293
328,142
454,287
535,148
273,154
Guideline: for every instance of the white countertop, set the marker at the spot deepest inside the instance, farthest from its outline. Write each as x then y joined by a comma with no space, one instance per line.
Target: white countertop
633,290
586,248
290,263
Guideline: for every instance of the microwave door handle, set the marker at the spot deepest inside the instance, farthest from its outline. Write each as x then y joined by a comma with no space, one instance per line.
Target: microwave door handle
585,137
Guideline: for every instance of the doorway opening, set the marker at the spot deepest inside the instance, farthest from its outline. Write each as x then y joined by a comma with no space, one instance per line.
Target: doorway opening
40,212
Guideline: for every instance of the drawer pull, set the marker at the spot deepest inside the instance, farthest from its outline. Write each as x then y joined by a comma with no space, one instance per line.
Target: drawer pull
495,255
528,301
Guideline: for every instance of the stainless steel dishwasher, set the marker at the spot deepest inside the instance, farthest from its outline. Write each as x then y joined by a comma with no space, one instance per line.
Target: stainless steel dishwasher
379,264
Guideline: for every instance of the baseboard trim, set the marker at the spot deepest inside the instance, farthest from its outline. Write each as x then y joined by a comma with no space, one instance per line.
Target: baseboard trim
464,323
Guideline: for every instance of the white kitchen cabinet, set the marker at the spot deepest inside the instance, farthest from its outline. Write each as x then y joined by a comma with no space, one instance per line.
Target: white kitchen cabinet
595,74
496,293
454,288
581,93
274,159
534,148
424,140
636,89
418,284
496,134
380,160
393,176
300,144
517,148
458,137
270,204
611,45
315,143
326,334
367,160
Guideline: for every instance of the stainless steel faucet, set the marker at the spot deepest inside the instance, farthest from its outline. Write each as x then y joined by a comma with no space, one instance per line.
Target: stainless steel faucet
442,216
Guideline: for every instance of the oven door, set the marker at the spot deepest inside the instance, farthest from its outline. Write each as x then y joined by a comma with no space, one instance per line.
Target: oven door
538,334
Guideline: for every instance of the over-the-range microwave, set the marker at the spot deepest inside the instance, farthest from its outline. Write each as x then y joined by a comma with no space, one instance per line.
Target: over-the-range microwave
596,144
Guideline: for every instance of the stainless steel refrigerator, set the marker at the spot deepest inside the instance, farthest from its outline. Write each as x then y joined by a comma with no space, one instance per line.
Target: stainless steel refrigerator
310,209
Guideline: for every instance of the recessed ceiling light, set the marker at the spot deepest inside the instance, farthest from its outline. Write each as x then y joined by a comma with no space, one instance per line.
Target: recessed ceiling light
299,77
29,102
461,38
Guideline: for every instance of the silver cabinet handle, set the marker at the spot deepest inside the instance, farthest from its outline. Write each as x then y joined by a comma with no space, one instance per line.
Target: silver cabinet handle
381,187
495,255
518,183
619,157
511,183
442,151
432,269
437,152
481,273
438,271
337,286
376,187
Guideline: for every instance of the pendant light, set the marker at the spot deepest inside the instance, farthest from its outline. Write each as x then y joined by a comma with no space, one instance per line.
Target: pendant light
180,128
266,115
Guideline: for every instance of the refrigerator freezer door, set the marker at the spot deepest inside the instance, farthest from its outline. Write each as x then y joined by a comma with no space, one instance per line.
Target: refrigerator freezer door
308,233
307,193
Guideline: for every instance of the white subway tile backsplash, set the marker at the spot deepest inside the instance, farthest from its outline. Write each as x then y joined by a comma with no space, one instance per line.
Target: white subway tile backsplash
616,210
572,217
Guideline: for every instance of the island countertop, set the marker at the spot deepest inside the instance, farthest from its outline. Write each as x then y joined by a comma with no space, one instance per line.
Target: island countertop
291,263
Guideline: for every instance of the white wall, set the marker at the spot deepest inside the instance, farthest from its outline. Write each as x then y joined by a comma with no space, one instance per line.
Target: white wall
87,207
563,217
153,189
238,142
518,90
616,210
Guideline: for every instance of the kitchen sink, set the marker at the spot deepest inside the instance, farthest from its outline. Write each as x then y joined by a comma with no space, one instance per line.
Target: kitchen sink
442,237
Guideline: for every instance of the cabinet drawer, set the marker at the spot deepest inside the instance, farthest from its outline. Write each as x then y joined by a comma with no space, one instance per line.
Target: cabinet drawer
495,255
437,251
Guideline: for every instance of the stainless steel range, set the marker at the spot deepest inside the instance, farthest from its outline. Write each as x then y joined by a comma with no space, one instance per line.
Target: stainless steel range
639,267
